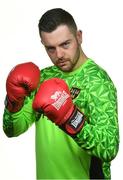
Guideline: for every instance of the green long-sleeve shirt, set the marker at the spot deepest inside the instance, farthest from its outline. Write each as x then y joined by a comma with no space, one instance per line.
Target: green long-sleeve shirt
58,156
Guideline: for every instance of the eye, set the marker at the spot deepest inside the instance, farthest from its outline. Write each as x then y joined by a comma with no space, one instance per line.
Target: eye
50,49
66,45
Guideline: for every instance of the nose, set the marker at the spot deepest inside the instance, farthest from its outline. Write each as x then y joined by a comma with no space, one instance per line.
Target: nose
59,53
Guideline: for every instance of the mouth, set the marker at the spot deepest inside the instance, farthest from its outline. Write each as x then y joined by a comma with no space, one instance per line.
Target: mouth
62,63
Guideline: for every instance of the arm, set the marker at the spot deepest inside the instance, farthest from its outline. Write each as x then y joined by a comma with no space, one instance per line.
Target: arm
100,133
95,130
21,85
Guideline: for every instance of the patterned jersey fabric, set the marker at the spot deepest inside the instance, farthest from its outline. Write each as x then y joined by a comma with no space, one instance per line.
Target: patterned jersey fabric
89,154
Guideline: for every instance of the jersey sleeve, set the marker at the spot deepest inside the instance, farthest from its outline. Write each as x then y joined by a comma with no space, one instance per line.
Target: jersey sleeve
100,133
17,123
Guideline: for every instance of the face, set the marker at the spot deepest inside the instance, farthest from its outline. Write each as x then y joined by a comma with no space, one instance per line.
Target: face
63,47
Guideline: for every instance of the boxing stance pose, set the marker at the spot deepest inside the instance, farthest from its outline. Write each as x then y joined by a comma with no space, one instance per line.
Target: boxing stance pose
72,103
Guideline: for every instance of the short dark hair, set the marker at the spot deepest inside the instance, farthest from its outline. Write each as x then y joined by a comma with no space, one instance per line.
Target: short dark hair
53,18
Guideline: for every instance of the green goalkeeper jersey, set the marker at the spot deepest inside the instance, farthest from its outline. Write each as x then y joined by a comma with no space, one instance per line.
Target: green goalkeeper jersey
89,154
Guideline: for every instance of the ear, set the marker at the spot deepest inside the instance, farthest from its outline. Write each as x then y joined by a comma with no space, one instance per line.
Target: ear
42,42
41,38
79,36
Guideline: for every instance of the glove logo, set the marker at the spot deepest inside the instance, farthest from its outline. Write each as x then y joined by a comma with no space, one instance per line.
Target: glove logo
60,98
56,95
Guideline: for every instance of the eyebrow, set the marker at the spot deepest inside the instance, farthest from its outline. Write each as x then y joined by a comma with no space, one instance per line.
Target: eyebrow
61,44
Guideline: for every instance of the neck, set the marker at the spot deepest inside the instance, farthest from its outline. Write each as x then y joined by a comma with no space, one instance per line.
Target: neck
82,59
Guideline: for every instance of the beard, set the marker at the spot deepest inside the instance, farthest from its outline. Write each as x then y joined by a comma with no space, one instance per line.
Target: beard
67,64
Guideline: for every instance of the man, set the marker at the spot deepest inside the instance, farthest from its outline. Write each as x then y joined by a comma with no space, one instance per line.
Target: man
76,94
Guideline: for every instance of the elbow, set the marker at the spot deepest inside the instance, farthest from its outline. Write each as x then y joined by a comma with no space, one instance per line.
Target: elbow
108,153
114,152
8,133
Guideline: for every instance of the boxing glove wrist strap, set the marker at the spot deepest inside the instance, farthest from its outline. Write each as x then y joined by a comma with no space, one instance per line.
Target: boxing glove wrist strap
74,124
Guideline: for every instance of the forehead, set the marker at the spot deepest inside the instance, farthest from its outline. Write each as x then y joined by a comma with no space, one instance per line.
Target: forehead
59,35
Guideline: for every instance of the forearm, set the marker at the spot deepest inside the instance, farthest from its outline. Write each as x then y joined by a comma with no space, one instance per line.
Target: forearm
102,142
17,123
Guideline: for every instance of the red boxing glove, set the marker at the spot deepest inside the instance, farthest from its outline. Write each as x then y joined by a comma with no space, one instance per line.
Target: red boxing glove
53,98
21,81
